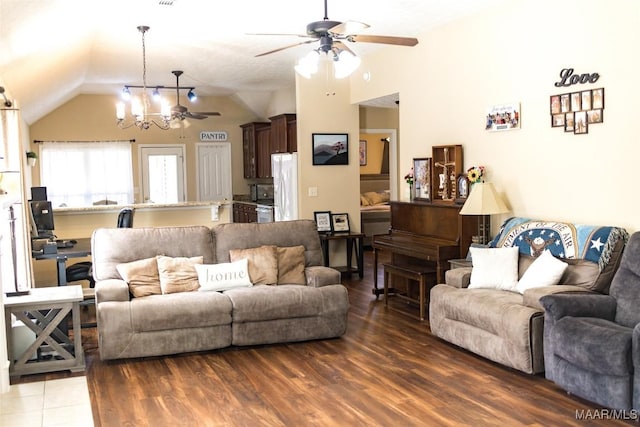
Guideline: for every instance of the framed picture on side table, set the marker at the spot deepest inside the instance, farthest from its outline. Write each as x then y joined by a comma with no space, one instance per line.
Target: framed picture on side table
463,188
340,222
323,221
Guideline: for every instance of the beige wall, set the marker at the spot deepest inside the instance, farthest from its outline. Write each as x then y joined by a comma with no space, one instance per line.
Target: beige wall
92,117
514,54
338,187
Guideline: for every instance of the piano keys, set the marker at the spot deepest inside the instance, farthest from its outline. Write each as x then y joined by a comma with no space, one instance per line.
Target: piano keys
425,233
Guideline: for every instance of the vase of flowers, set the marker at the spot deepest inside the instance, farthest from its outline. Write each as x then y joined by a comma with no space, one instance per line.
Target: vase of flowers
475,174
409,180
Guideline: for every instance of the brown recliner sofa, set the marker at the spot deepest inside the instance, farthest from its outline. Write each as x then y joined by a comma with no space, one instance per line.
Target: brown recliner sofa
194,321
506,326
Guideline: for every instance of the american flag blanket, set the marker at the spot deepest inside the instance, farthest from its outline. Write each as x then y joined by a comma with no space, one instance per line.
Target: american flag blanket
563,240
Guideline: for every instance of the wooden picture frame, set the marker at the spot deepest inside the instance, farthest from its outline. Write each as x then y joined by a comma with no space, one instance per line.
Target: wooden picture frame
422,179
324,224
463,188
330,148
340,223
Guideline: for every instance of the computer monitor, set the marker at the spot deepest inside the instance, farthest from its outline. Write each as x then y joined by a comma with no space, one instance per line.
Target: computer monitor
39,193
42,217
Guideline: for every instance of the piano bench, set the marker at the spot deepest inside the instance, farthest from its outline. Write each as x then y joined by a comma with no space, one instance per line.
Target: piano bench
418,273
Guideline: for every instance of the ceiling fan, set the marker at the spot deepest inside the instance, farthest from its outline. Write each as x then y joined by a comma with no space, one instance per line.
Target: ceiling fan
180,112
331,35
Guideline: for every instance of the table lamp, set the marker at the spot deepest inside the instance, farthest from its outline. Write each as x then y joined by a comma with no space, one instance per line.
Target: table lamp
483,200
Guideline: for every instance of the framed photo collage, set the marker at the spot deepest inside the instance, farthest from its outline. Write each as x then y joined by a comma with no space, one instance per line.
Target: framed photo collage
576,111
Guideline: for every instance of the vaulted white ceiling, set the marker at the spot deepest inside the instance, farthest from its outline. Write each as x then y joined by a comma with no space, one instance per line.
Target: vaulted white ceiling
53,50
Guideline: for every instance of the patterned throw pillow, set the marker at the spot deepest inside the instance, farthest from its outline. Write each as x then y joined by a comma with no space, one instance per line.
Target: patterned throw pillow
223,276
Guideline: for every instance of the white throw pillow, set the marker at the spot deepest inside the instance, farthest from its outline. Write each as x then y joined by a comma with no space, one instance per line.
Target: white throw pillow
494,268
546,270
223,276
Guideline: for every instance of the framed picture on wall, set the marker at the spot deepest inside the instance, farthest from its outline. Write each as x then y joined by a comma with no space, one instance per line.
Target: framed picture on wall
363,152
422,179
330,149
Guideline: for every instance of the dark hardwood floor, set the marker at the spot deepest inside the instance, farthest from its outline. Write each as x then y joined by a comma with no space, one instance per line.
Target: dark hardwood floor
388,370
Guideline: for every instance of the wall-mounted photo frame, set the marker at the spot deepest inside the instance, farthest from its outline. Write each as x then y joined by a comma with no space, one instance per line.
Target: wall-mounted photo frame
340,222
323,221
577,110
363,152
503,117
422,179
330,149
463,188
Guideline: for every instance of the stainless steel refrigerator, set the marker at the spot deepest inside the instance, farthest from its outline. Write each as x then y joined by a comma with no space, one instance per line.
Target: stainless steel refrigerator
284,169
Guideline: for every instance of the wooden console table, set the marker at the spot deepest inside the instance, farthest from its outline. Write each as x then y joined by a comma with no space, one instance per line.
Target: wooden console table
43,311
350,238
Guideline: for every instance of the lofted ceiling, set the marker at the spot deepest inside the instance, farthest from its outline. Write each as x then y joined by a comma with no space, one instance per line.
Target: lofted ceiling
54,50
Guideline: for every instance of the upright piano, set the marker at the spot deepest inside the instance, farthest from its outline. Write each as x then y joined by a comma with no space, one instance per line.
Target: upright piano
423,233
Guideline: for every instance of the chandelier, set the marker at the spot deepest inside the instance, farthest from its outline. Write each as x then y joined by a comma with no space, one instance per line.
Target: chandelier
141,105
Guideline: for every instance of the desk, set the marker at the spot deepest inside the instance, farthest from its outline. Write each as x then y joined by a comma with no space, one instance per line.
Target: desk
350,238
49,307
80,250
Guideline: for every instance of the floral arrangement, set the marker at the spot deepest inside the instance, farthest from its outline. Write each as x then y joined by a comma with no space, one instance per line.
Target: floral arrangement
475,174
409,177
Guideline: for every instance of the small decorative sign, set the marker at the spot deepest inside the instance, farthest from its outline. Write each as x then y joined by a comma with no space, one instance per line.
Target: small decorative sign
213,136
503,117
567,78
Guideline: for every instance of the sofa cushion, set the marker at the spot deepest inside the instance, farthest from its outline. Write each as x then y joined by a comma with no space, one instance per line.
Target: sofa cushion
141,276
263,263
546,270
282,302
223,276
495,268
179,311
291,266
588,342
178,274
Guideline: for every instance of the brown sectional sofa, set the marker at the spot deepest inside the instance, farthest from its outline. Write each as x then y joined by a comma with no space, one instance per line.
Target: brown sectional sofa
507,326
194,321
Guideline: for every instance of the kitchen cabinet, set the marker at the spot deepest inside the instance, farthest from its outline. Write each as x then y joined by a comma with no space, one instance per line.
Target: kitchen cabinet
253,135
263,152
283,133
244,212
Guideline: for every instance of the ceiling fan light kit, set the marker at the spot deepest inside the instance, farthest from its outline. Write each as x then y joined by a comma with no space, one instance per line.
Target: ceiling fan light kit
170,117
331,35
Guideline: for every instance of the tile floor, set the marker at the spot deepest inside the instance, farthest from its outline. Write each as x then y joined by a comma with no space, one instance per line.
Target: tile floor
63,402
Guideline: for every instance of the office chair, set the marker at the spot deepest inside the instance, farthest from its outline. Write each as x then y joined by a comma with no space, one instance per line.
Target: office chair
83,270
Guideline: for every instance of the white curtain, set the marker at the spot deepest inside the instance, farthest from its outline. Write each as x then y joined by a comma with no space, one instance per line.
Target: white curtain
83,173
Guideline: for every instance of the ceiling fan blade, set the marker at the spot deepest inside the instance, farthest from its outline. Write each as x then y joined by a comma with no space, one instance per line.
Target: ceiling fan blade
286,47
342,46
400,41
348,27
278,34
197,116
208,113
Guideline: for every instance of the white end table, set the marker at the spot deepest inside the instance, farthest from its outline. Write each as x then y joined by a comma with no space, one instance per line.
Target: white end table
43,311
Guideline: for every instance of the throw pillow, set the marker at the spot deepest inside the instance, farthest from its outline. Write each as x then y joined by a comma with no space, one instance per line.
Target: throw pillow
178,274
141,276
495,268
546,270
291,266
263,263
223,276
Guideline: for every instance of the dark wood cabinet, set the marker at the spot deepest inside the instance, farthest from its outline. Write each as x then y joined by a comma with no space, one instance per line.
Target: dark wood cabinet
253,134
283,133
263,152
244,212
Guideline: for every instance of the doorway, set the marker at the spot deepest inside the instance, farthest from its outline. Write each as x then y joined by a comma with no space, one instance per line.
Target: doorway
163,173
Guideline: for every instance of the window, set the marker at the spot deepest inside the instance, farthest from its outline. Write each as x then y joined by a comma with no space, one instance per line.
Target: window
87,173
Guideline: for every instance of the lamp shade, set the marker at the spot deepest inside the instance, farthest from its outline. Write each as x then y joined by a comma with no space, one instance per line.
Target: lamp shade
483,200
